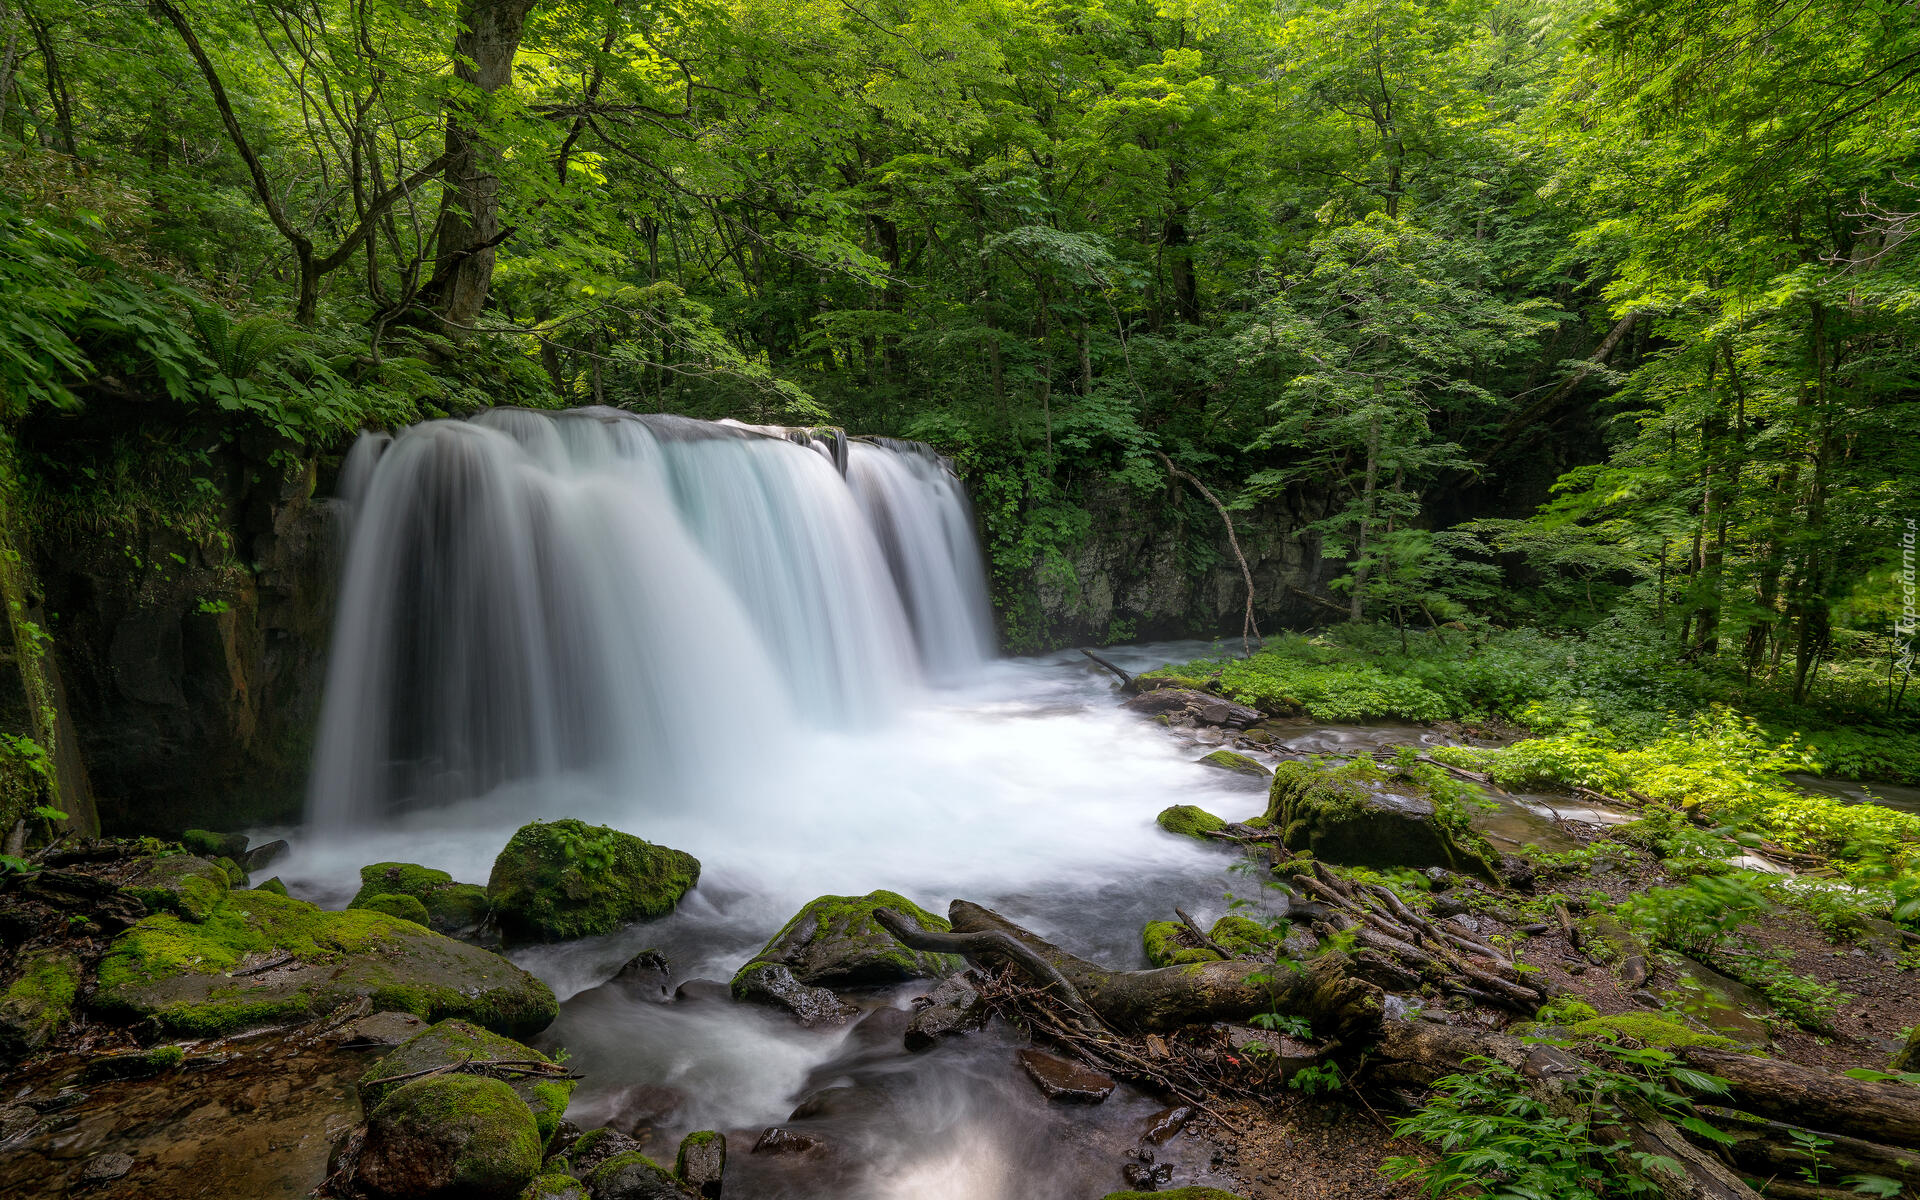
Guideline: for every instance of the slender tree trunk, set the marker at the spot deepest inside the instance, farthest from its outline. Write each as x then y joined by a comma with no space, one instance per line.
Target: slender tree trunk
56,81
1713,429
1356,605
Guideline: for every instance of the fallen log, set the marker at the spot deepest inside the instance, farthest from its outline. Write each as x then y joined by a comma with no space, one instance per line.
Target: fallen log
1126,680
1768,1149
1815,1099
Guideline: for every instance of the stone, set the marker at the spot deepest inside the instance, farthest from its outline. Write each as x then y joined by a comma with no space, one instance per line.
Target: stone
178,883
449,907
260,959
450,1043
1299,943
258,858
214,846
555,1187
834,941
1356,814
633,1176
272,885
1165,1124
105,1168
405,908
16,1121
1200,707
773,984
596,1146
38,1002
1237,764
455,1136
1189,821
787,1141
381,1029
646,976
701,1162
1064,1081
557,880
952,1009
1274,1051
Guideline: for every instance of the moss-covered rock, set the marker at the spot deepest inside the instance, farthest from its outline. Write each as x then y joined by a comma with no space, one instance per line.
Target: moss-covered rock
1243,936
407,908
835,942
555,1186
1908,1056
1358,815
214,846
1188,821
773,985
452,1042
633,1176
178,883
462,1137
272,885
38,1001
1166,945
181,974
451,907
236,874
1238,764
701,1162
566,879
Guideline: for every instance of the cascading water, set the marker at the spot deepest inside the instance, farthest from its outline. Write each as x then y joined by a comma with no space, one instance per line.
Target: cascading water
528,595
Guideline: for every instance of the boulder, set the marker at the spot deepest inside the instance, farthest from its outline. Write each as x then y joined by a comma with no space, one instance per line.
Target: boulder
646,976
450,1043
555,1187
787,1141
261,958
450,907
952,1009
596,1146
633,1176
835,942
1063,1080
38,1001
701,1162
1196,707
1188,821
381,1030
272,885
406,908
1357,814
1236,763
461,1137
214,846
566,879
773,984
258,858
178,883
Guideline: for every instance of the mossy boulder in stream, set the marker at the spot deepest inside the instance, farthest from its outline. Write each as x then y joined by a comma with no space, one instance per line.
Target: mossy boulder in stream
261,958
461,1137
1237,763
1358,814
633,1176
404,907
566,879
450,907
38,1001
451,1043
835,942
1189,821
178,883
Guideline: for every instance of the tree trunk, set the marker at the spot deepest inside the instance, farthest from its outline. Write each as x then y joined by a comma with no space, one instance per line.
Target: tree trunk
1356,605
469,224
1815,1099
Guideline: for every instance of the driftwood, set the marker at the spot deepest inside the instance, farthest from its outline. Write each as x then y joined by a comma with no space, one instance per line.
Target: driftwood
1126,680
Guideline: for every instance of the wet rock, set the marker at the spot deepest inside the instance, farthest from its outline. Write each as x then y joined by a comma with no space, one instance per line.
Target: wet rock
952,1009
140,1064
633,1176
1440,878
1237,764
1517,871
596,1146
788,1141
1195,706
449,907
699,990
1064,1081
1165,1124
259,858
557,880
260,958
1726,1006
774,985
832,1102
59,1101
835,942
105,1168
646,976
178,883
382,1029
701,1162
452,1043
879,1034
214,846
1189,821
457,1137
1356,815
1299,942
1207,735
555,1187
38,1001
1148,1177
16,1121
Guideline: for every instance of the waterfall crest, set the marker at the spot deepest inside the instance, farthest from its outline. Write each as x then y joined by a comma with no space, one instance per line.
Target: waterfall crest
527,595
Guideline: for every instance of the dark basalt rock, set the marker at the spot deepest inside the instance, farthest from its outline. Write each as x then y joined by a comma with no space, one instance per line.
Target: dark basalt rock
1063,1081
260,857
596,1146
379,1029
634,1176
449,1137
952,1009
1197,707
788,1141
646,976
105,1168
701,1162
774,985
836,942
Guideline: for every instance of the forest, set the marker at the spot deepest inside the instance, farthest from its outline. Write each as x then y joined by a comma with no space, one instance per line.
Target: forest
1542,374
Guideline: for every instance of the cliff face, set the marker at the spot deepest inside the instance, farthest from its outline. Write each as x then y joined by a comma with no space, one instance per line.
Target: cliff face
1159,566
194,664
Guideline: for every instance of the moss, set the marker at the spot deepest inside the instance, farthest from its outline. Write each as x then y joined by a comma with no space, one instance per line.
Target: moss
214,846
565,879
178,883
456,906
694,1141
272,885
236,874
1188,821
635,1167
835,941
1648,1029
479,1121
1239,764
38,1002
406,908
1359,814
1566,1011
397,879
555,1185
1241,935
449,906
1164,947
584,1144
455,1041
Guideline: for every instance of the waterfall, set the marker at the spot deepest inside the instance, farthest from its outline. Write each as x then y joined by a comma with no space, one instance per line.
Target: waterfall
528,595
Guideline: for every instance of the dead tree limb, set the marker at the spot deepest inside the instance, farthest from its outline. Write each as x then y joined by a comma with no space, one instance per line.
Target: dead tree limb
1248,629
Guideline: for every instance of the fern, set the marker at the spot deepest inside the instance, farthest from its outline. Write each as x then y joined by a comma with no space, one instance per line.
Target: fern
238,350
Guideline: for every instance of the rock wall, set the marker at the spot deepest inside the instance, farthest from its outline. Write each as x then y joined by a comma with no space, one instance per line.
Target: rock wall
194,665
1157,566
